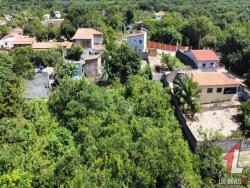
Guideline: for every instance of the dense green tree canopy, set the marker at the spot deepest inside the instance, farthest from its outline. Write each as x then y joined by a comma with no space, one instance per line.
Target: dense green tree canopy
10,87
115,135
121,62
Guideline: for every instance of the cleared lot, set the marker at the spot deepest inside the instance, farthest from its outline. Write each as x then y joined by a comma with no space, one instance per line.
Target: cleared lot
221,122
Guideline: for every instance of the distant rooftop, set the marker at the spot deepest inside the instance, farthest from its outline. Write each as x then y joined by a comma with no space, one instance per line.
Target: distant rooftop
160,13
205,55
51,45
23,40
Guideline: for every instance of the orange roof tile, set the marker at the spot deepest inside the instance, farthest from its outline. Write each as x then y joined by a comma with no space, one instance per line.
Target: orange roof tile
212,79
85,33
12,35
205,55
51,45
24,40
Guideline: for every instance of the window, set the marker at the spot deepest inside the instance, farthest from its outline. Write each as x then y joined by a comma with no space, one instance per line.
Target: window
230,90
140,41
212,64
219,90
209,90
204,65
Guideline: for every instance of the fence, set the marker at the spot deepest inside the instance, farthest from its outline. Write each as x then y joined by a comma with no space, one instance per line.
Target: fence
167,47
187,132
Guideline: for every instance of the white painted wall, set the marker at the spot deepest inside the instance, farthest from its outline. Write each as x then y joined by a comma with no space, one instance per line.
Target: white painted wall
138,42
57,14
7,43
204,65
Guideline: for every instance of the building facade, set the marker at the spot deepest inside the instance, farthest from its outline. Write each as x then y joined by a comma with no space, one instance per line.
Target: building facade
138,41
216,86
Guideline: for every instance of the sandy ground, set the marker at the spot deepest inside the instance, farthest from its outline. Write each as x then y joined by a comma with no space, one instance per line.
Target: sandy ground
220,122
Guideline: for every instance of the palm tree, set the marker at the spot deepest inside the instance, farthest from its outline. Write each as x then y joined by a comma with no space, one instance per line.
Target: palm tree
187,93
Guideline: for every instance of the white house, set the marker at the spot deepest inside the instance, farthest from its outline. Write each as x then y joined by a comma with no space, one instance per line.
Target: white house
159,15
203,59
138,40
88,38
57,14
7,42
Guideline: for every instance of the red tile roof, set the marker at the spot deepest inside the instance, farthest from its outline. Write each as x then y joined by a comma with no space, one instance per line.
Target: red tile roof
50,45
85,33
12,35
23,40
212,79
205,55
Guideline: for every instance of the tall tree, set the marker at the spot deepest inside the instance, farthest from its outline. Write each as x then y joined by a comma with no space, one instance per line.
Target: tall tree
211,166
10,88
196,29
187,92
121,62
